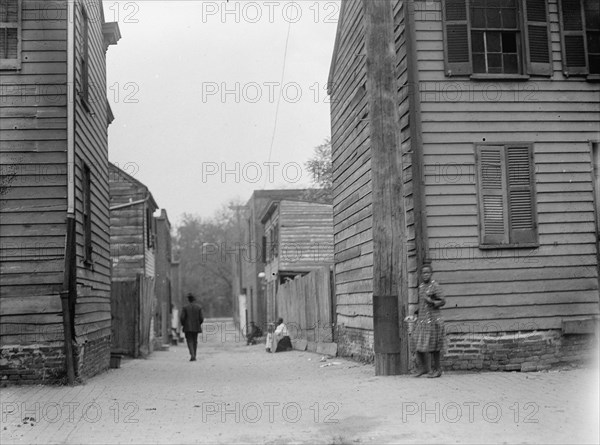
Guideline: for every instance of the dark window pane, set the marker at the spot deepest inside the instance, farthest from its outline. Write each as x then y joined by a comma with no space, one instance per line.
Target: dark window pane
494,3
493,18
511,64
592,14
493,42
509,42
508,3
494,60
478,17
492,70
593,42
509,18
477,4
478,63
477,42
594,64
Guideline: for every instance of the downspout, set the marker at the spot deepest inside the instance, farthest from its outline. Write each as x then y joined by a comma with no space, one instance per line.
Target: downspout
416,137
67,295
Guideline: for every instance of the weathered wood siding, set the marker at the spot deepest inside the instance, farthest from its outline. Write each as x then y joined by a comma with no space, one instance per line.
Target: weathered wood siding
92,312
305,235
509,289
352,210
33,157
352,167
129,248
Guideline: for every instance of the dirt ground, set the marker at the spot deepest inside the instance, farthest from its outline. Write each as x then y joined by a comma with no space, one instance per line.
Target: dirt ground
241,394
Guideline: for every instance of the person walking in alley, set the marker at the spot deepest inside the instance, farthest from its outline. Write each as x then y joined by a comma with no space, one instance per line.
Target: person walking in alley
429,328
191,322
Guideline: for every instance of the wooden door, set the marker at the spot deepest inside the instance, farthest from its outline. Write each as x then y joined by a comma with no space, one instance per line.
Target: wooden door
124,310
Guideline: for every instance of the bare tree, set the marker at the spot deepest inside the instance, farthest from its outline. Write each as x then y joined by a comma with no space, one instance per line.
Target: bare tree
320,169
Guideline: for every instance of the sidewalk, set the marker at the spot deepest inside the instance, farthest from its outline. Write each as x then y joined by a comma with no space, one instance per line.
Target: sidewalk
240,394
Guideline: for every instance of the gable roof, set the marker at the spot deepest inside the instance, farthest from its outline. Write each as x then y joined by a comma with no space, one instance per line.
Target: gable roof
112,167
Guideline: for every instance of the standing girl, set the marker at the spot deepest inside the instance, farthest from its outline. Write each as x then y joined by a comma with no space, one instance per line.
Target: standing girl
429,328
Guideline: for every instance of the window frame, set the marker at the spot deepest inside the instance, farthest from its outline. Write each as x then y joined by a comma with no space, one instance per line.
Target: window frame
84,93
149,227
14,64
462,58
86,215
510,242
575,70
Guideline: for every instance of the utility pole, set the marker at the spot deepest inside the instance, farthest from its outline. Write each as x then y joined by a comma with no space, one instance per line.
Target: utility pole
390,287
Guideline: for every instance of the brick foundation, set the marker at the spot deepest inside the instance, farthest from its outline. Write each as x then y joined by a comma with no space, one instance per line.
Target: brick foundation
355,343
32,364
507,351
46,364
517,351
93,357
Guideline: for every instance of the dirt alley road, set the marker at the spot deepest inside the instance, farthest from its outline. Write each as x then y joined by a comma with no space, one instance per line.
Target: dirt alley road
240,394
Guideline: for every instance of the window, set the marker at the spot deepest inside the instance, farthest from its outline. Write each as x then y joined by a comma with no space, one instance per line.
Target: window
85,81
507,216
580,31
87,214
149,228
10,34
496,37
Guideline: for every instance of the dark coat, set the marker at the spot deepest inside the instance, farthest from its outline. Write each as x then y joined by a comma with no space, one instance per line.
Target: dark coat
191,318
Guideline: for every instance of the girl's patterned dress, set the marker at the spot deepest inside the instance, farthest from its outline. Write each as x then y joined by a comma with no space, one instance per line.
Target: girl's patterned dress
429,328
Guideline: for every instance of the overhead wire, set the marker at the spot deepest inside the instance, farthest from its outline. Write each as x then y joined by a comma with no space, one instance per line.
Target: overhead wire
287,39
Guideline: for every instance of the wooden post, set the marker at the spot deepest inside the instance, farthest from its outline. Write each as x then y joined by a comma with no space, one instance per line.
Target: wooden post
389,281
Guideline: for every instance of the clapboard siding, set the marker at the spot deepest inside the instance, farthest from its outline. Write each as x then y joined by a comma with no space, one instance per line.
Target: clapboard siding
33,144
305,235
352,209
91,150
129,250
558,116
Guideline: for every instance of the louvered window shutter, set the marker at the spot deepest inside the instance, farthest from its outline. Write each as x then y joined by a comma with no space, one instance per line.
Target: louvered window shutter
573,37
521,208
457,45
492,195
10,34
539,59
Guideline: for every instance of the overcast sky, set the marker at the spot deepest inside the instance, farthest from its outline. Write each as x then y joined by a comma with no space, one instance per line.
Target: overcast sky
194,87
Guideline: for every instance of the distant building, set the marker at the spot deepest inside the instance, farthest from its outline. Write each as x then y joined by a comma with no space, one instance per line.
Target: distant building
298,239
245,272
54,218
133,253
164,279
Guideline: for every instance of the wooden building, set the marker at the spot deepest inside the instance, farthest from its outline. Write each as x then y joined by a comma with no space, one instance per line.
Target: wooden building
133,253
164,280
245,272
54,217
298,238
465,133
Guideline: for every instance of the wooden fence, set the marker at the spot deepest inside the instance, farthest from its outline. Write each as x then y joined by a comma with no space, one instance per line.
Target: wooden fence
306,306
131,307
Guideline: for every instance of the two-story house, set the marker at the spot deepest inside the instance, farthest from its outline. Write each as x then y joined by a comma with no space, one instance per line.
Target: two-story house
54,219
465,133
